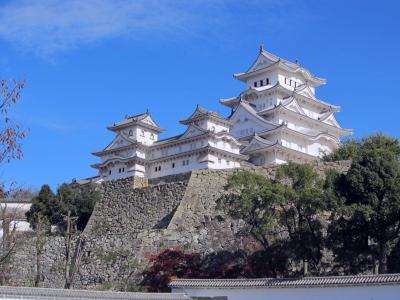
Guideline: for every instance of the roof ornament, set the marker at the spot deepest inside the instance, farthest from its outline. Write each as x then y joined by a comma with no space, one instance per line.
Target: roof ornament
261,47
298,62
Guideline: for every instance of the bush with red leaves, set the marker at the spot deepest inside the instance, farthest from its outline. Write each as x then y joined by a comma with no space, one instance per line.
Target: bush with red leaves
170,264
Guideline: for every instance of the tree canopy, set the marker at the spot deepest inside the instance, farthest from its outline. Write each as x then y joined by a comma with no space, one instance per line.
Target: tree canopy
366,216
281,214
77,199
351,149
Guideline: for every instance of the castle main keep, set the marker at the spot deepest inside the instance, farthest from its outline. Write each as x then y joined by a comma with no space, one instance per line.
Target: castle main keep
276,119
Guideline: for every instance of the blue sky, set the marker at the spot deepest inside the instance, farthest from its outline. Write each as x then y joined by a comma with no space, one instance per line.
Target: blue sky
89,63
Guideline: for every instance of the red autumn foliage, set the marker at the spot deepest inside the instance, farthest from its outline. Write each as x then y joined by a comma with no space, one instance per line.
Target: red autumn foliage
11,133
173,263
170,264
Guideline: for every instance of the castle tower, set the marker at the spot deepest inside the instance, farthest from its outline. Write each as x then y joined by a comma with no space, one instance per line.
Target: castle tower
126,155
278,116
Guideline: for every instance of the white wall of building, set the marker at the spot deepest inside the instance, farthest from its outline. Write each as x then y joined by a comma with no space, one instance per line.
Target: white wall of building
383,292
272,75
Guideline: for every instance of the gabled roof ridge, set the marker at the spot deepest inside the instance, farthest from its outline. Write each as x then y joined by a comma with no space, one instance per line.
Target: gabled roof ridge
350,131
203,112
253,112
136,119
132,142
284,126
293,67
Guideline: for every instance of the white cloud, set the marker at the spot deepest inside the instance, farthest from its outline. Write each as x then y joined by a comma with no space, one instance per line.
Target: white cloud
49,26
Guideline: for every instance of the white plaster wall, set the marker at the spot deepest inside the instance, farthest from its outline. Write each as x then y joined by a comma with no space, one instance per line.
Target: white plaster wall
181,166
271,74
136,170
115,174
145,136
213,126
265,102
295,143
385,292
20,225
290,76
321,146
245,124
220,161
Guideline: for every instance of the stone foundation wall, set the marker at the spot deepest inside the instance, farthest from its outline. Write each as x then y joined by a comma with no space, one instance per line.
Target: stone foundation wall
128,224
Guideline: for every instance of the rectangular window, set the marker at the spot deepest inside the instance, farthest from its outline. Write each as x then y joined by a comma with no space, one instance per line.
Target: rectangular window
173,165
159,168
187,162
123,169
255,83
261,82
109,172
219,160
285,80
183,162
228,162
267,81
155,169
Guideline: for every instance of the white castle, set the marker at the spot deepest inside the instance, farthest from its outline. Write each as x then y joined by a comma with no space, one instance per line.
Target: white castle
276,119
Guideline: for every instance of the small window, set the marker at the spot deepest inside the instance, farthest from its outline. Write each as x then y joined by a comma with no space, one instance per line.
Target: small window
109,172
228,162
187,162
255,83
142,132
267,81
285,80
159,168
173,165
261,82
152,136
290,82
155,169
123,169
130,132
119,170
219,160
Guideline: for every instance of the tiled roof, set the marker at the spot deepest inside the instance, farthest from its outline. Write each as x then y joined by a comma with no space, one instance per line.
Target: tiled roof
33,293
386,279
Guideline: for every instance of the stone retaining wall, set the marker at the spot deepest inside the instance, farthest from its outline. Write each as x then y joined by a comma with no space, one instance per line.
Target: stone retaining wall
128,224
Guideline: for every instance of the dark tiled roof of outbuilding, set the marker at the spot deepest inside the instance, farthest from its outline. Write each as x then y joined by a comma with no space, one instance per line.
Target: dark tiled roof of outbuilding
384,279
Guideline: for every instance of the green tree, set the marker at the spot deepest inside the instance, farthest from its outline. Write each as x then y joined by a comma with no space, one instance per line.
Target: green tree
44,205
79,200
351,149
366,206
252,198
347,150
301,205
77,203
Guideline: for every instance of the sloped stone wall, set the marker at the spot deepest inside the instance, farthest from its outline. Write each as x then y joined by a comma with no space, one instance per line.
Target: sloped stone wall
128,224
